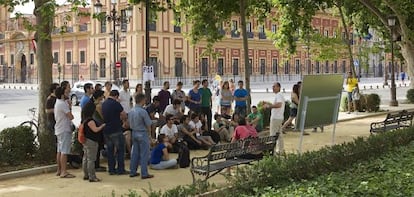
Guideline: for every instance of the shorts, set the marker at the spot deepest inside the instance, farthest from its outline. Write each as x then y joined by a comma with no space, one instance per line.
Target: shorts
293,112
349,96
64,142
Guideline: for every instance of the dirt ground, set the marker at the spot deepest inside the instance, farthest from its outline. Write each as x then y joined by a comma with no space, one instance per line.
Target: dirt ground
50,185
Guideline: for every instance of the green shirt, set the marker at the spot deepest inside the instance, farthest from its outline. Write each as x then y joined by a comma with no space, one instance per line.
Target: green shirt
205,97
253,116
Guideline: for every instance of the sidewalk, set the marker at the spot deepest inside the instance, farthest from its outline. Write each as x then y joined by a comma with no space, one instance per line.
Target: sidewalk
349,127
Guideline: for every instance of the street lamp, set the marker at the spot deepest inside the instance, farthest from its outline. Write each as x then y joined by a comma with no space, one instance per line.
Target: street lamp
116,20
147,87
59,68
391,24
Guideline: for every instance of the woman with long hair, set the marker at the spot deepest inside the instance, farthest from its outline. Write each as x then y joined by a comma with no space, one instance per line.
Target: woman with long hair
293,106
225,100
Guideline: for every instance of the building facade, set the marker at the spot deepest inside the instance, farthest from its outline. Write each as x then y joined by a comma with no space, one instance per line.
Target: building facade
83,48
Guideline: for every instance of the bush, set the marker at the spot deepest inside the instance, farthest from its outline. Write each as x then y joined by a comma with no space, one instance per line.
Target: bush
17,145
281,171
373,102
361,103
389,175
410,95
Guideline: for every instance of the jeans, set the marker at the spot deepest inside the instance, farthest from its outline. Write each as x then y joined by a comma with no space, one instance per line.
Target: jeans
140,153
241,110
89,156
115,141
164,164
207,112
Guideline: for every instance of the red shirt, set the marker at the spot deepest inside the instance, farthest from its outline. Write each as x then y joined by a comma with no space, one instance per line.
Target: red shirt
244,131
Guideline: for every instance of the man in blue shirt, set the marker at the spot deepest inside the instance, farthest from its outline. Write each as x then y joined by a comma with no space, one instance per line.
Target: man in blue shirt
114,138
140,124
88,88
240,96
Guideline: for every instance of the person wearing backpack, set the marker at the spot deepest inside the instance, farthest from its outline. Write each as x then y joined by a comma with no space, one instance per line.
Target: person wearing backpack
90,145
160,158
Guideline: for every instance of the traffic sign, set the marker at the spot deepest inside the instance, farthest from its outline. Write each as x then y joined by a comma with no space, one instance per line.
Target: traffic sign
118,64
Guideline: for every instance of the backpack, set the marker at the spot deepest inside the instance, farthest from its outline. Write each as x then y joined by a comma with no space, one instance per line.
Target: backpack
183,155
81,134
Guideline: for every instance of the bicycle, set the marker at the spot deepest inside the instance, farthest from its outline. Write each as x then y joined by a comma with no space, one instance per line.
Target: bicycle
33,122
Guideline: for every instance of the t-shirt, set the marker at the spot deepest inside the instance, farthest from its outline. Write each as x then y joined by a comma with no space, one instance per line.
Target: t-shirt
277,113
125,99
111,111
63,123
151,108
244,131
180,95
50,104
181,127
164,96
253,116
205,97
169,132
196,125
170,110
240,93
351,84
225,97
195,96
85,99
156,154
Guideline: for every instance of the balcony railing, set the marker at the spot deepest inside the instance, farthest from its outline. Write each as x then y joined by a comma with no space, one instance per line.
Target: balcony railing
262,35
235,34
83,27
250,34
177,29
152,27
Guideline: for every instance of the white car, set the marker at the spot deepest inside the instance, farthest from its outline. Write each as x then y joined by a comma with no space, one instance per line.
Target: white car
77,91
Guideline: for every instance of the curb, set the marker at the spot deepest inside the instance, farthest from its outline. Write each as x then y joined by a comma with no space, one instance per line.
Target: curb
28,172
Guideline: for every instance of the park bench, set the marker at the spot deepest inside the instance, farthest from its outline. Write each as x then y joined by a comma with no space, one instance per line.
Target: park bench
222,156
393,121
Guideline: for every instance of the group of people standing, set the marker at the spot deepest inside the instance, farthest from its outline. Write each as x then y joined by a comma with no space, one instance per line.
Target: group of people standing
124,122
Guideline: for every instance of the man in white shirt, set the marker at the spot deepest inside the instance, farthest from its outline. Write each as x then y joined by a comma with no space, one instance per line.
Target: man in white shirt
174,109
63,131
126,102
170,130
277,117
125,96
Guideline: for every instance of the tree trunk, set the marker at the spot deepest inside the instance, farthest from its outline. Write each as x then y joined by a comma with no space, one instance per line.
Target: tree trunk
348,41
246,51
44,66
407,50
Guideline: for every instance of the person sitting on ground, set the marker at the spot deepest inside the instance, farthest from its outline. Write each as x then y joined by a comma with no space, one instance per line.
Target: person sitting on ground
215,136
160,158
174,110
188,134
171,131
152,109
196,125
222,127
255,118
90,147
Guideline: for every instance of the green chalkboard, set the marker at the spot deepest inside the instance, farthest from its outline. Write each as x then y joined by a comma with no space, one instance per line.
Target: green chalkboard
319,113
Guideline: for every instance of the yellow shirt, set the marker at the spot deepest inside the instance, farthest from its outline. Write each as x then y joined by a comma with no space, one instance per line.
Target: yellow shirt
351,84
